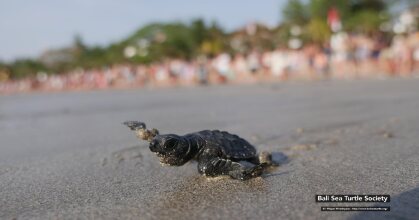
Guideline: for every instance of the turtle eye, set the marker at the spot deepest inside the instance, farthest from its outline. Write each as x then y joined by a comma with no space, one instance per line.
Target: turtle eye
154,145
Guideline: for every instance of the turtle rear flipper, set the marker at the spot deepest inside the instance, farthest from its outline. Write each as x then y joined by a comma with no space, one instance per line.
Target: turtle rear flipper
255,171
210,165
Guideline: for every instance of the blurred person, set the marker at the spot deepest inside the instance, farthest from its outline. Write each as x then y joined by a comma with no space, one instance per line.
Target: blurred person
222,63
320,63
279,63
416,60
188,72
339,44
141,76
413,44
297,63
162,74
241,68
202,70
240,64
266,61
402,55
362,47
127,73
175,68
253,62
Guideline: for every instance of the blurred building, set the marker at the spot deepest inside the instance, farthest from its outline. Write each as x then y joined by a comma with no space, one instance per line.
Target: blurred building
52,57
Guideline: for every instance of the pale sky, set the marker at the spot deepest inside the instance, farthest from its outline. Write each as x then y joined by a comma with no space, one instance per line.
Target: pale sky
28,27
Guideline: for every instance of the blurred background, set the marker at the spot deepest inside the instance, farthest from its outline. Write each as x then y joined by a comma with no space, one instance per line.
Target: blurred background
81,45
329,87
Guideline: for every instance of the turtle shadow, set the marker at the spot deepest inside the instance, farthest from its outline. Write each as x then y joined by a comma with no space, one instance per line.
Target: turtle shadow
402,206
279,158
275,174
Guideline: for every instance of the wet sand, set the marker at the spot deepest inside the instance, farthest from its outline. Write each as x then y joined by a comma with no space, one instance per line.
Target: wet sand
67,155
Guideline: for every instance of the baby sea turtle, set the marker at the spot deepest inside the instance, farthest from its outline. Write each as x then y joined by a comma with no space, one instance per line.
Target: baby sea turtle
217,152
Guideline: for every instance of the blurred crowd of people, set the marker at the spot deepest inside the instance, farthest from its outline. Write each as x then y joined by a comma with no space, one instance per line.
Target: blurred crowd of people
345,56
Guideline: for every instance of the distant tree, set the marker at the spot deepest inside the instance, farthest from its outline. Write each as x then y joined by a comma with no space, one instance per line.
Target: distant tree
4,72
296,12
320,8
319,30
78,43
356,15
25,68
366,21
372,5
216,41
199,31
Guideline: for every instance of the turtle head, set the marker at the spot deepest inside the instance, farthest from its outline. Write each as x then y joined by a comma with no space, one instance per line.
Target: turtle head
171,149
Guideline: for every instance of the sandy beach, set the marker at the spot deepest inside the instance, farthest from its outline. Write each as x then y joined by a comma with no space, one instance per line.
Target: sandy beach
67,155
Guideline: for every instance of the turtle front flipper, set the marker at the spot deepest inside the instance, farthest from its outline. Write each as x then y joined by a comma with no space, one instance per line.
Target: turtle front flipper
141,131
211,165
135,125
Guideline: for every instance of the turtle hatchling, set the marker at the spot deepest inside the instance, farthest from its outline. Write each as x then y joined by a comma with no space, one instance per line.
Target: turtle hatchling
217,152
